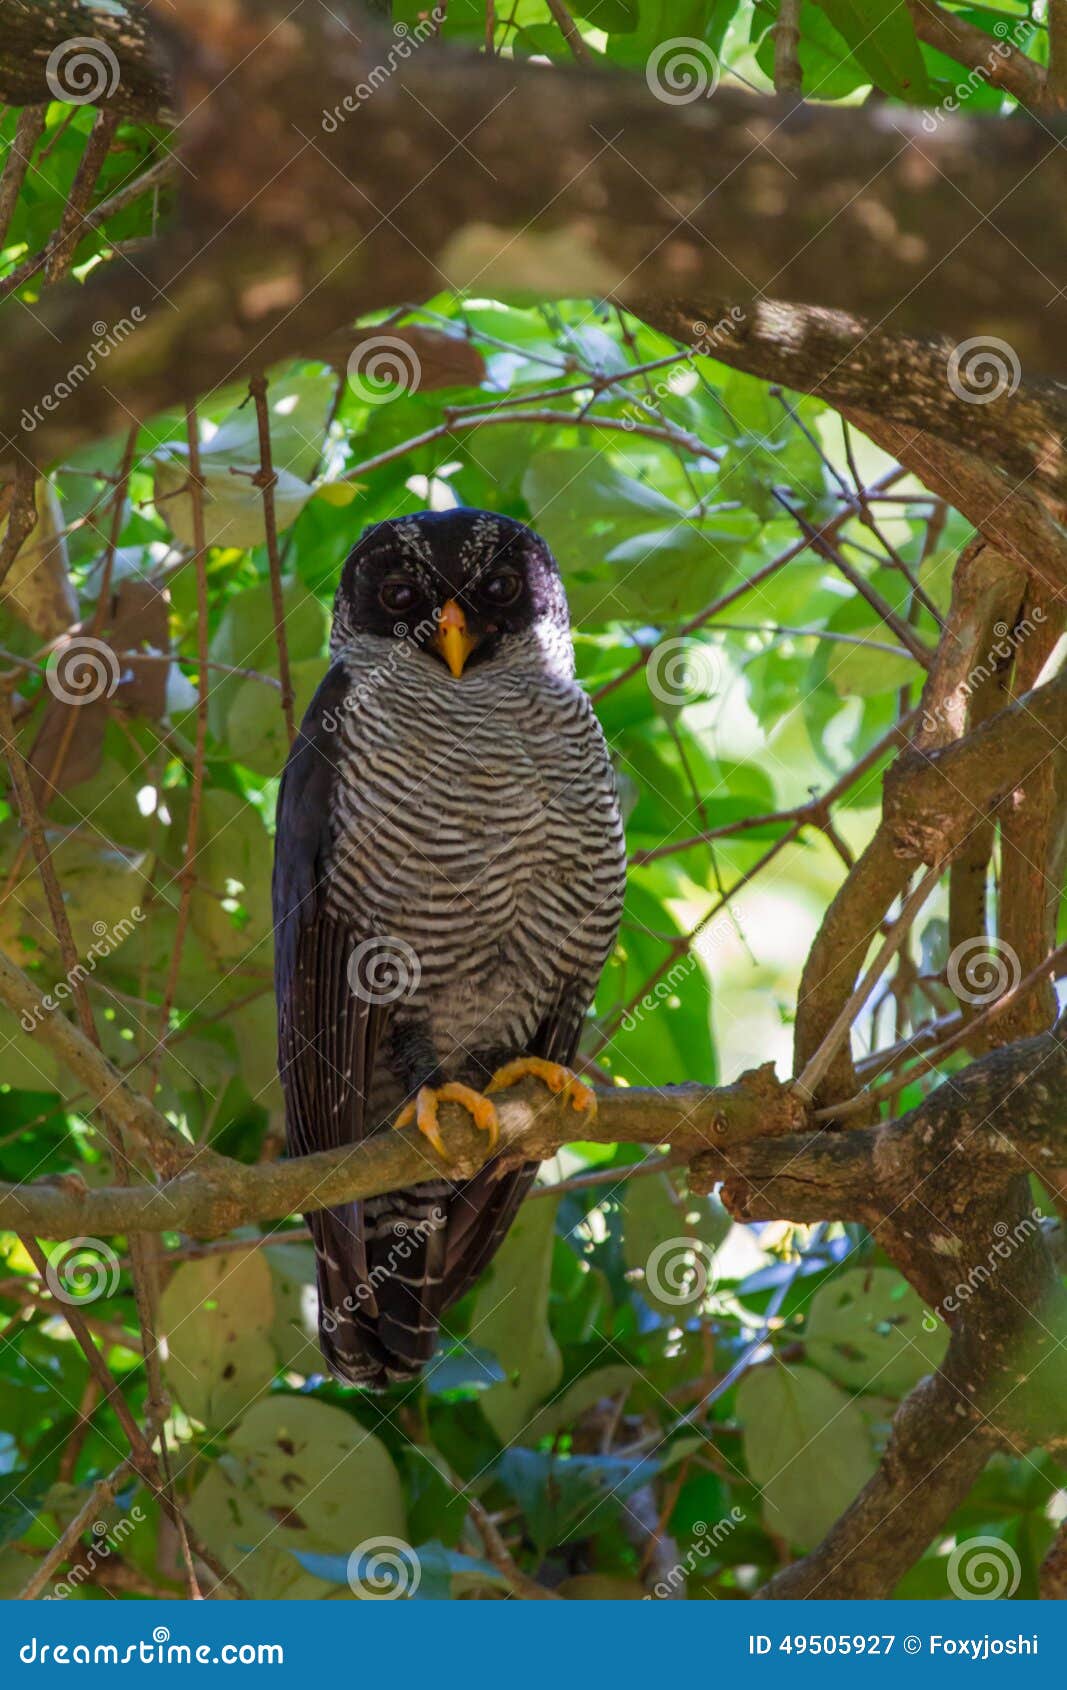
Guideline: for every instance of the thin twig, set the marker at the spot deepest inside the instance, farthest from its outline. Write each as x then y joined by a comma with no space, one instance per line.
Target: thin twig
59,255
99,1498
962,1036
266,480
570,31
522,1586
33,827
808,1081
28,132
21,514
118,201
814,813
756,579
187,876
786,32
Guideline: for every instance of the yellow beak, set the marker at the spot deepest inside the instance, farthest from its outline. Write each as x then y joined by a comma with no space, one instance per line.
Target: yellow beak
452,639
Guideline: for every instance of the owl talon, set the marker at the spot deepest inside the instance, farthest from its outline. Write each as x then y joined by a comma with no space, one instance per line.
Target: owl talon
554,1075
423,1111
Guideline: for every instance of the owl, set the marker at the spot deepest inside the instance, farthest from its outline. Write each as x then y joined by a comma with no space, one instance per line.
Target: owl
448,881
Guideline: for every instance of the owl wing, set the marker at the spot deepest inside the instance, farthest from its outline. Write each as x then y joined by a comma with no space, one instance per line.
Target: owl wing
327,1035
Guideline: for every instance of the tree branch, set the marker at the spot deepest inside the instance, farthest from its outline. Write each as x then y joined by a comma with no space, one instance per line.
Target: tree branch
921,232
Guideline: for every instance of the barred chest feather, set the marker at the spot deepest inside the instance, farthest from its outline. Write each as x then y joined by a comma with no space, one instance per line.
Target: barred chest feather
476,821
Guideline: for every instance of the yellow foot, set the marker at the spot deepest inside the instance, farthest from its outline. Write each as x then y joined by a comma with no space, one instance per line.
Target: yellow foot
423,1111
555,1076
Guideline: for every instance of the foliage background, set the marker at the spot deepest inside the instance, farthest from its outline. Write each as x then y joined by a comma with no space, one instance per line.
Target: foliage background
610,1434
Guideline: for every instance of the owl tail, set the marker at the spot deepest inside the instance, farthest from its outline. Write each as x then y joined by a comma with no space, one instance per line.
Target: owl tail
380,1267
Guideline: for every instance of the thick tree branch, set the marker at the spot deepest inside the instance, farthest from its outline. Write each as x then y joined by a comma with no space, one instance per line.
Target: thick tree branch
213,1195
302,210
933,799
137,87
997,60
932,1461
892,385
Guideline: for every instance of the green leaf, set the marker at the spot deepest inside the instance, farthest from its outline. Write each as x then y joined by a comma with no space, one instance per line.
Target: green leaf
301,1475
664,1249
295,1332
625,549
245,639
666,1036
828,69
882,38
806,1447
861,672
866,1330
586,1390
510,1319
21,1492
430,1572
566,1497
255,725
216,1315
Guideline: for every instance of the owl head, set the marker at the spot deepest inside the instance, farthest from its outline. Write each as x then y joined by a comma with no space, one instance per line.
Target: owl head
467,587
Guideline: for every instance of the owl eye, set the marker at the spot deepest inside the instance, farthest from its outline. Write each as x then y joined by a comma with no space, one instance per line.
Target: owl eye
398,595
504,588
